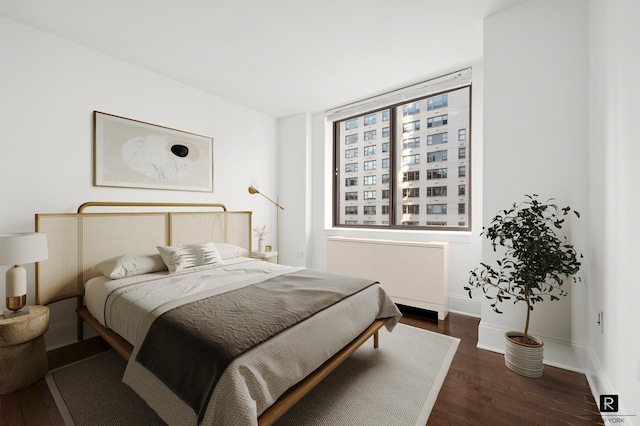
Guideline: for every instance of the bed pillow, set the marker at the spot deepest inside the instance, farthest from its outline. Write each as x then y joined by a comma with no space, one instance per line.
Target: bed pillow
229,251
179,258
131,264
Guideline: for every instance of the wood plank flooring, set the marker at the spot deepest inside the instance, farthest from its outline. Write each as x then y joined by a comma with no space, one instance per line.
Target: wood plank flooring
478,390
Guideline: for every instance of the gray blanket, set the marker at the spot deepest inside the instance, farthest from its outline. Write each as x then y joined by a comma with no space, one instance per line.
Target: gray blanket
189,347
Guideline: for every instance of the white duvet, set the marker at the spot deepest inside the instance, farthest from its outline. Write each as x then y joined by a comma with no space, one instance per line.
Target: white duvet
253,381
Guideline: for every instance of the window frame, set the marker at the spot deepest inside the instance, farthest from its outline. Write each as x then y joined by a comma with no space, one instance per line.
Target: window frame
389,116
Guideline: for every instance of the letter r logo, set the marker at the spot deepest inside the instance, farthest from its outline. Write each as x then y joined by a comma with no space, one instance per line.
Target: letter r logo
609,403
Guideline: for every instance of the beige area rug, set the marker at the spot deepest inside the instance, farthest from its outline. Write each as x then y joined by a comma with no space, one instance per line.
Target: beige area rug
396,384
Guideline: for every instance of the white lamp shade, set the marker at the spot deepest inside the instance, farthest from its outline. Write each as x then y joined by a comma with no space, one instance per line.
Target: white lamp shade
28,247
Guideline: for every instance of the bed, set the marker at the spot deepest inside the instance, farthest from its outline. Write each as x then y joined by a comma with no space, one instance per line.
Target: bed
155,317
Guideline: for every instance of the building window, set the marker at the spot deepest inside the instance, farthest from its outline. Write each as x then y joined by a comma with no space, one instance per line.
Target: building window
411,143
369,135
436,191
437,174
462,208
436,209
437,102
409,176
462,134
351,153
351,210
411,159
411,109
412,128
435,156
438,121
410,192
410,209
369,119
369,210
437,139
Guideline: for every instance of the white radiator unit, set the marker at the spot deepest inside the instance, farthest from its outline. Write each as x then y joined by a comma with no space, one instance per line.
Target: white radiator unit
413,273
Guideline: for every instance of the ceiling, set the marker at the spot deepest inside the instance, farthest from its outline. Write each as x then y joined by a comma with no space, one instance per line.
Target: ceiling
278,57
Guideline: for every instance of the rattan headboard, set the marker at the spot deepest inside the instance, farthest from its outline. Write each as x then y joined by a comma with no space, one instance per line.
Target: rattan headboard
79,241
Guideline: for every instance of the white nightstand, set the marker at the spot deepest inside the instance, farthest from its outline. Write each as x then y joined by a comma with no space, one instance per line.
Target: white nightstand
267,256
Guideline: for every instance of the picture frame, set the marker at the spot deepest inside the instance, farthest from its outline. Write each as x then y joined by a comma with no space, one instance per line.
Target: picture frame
133,154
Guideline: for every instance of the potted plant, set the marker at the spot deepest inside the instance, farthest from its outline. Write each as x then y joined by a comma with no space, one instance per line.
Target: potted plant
535,265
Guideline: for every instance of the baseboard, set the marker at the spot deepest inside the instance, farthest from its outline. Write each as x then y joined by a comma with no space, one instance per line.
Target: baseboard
464,305
64,334
557,353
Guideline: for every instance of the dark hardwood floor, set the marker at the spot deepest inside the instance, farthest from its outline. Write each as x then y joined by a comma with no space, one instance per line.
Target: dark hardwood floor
478,390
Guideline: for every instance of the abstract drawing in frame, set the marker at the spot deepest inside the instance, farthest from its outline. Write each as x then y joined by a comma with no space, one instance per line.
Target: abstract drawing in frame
134,154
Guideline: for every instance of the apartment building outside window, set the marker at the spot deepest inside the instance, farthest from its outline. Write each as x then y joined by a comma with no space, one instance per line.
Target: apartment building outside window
401,182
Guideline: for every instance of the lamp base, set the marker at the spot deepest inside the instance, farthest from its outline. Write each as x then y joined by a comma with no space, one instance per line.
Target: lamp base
16,303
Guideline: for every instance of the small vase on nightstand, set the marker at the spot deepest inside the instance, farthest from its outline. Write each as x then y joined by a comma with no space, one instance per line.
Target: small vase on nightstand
261,245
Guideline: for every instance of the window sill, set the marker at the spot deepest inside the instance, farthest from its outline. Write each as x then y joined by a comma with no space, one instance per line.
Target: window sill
402,235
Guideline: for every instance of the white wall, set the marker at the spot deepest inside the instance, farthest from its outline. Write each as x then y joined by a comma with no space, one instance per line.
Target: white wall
48,91
536,141
465,248
614,358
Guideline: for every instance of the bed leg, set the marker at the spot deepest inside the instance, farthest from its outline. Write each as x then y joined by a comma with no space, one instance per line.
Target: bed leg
375,339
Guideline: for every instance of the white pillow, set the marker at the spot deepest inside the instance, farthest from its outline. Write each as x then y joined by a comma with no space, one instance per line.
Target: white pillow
131,264
229,251
178,258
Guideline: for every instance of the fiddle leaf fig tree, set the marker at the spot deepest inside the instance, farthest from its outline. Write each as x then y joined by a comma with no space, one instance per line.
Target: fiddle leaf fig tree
536,260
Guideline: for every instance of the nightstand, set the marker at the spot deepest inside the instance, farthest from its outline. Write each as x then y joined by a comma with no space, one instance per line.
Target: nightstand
267,256
23,354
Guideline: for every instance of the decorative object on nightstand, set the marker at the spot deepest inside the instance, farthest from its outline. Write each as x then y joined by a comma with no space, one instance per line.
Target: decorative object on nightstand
267,256
260,232
253,190
23,354
15,249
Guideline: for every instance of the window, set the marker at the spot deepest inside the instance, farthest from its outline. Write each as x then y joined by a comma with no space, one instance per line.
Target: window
392,178
461,208
369,195
411,109
410,209
411,127
411,143
437,102
369,135
436,209
436,191
369,119
351,210
437,174
462,134
437,139
436,156
410,192
411,159
438,121
408,176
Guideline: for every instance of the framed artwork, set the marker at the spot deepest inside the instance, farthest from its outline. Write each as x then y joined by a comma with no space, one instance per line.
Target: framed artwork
133,154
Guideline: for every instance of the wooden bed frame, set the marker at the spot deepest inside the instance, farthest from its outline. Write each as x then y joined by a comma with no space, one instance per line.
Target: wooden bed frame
77,241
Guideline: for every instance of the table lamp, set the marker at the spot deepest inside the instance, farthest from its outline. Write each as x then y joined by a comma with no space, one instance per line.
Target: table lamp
18,249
